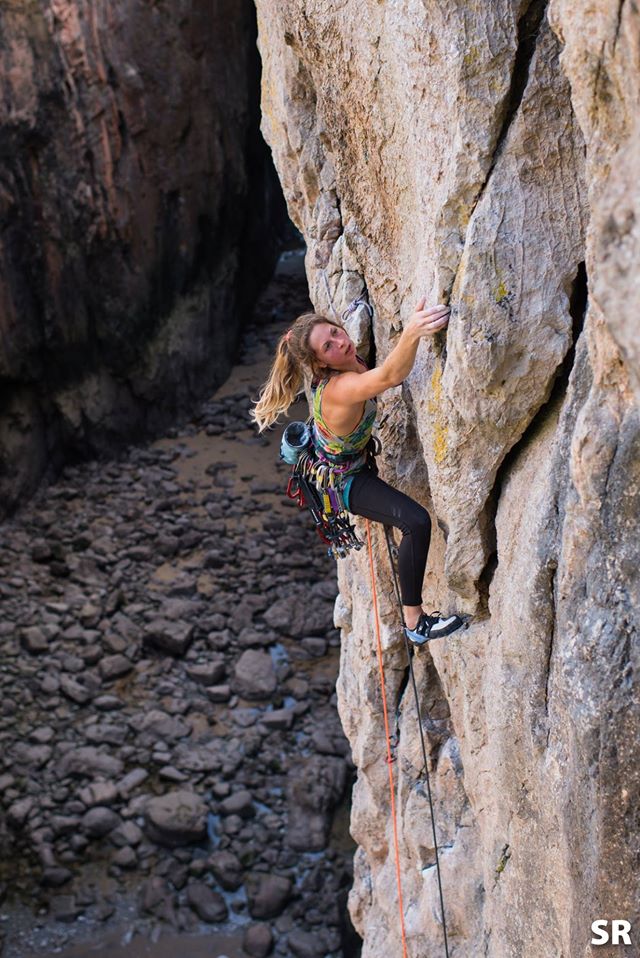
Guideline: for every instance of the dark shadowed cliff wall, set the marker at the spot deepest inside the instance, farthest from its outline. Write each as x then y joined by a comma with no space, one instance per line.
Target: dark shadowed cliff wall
139,214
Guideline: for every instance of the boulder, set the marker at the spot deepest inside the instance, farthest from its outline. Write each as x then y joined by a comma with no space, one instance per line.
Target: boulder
167,636
99,821
177,818
298,616
208,905
114,666
258,941
227,869
239,803
74,690
34,640
89,761
267,894
209,674
254,675
304,944
314,789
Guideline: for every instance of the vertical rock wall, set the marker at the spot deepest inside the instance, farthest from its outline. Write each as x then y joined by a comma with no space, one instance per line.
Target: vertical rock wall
137,216
487,154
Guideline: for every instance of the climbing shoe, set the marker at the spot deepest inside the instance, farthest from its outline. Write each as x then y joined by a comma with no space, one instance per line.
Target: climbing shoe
433,626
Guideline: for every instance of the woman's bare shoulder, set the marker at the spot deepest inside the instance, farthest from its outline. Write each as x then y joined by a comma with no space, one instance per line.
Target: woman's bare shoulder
349,388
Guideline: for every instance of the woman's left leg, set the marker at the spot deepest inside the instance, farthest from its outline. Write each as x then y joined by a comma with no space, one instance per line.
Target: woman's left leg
373,498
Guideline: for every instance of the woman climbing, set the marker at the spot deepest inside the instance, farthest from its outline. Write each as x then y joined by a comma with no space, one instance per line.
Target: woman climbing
343,391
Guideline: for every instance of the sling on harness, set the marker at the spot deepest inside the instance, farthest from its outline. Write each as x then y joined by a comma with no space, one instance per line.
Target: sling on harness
316,484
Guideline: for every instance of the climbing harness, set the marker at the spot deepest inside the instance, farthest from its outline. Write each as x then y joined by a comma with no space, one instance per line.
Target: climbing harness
389,758
316,484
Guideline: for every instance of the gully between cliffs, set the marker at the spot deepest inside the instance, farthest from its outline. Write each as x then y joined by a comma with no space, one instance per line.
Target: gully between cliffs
172,762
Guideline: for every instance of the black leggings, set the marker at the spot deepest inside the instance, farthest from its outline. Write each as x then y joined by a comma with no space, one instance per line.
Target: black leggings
372,498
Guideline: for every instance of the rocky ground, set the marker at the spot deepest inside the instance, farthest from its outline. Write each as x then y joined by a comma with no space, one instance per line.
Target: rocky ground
171,757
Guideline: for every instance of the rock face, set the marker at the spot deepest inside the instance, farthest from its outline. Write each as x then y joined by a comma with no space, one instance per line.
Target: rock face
137,217
487,155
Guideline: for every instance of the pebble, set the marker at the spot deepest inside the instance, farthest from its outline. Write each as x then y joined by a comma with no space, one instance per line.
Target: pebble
89,761
99,793
125,857
127,833
131,781
18,813
315,646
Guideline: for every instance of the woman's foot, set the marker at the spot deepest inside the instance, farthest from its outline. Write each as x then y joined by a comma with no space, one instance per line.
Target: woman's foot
433,626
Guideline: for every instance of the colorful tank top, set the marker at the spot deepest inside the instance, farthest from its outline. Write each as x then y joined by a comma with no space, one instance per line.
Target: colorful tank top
346,453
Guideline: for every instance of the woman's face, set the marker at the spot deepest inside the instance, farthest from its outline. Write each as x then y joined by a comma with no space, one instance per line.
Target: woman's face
332,346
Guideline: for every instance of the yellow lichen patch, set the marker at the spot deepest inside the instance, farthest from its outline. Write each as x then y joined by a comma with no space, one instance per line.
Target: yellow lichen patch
440,442
501,292
471,57
436,390
440,428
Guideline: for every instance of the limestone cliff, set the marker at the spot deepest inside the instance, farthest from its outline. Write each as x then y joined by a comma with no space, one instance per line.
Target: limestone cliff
138,208
488,154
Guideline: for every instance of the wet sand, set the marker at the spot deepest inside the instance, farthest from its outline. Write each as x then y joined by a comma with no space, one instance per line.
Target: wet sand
168,946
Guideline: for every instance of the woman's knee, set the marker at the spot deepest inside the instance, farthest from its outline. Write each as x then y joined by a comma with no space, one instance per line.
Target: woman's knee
417,522
421,522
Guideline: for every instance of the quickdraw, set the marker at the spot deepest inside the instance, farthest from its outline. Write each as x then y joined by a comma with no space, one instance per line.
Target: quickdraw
317,484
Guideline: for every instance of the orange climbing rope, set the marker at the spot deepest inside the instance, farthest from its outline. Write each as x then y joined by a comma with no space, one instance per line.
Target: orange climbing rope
388,737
